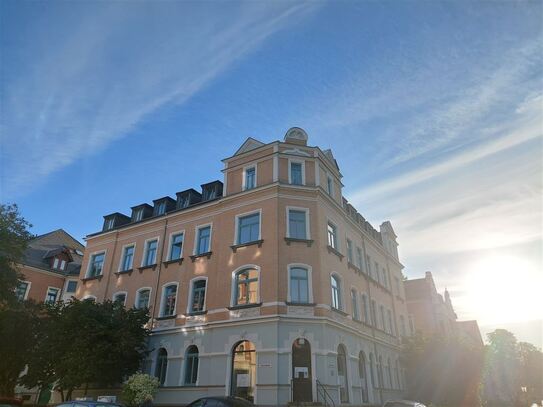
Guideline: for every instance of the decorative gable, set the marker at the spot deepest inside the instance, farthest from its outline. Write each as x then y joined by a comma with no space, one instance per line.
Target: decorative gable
248,145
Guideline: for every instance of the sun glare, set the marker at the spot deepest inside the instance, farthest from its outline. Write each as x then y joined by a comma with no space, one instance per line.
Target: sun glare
503,289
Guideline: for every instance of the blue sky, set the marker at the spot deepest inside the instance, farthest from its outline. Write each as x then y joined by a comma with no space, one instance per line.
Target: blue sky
433,110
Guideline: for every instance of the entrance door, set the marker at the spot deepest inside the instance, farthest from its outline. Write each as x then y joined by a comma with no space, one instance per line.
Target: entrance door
302,384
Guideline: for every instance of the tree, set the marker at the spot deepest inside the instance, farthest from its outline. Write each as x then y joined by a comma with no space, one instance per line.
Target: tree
14,237
139,389
531,372
86,343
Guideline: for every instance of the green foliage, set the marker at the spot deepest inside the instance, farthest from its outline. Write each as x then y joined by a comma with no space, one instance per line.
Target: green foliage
14,237
84,342
139,389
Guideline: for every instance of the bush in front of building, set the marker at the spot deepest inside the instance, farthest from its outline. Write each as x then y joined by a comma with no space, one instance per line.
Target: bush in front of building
139,389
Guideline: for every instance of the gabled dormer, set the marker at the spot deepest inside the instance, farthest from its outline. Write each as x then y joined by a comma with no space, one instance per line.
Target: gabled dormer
114,220
141,212
211,190
187,197
58,258
163,205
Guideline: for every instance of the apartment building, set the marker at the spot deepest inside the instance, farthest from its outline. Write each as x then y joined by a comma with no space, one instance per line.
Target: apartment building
50,267
267,285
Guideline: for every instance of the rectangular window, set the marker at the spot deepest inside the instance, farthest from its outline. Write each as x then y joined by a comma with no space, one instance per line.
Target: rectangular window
63,264
138,215
385,279
350,251
176,247
96,264
296,177
376,272
191,370
71,287
52,294
161,208
299,288
336,293
297,227
21,290
55,263
359,258
332,235
366,310
250,178
246,287
128,258
120,298
330,186
142,300
373,313
382,314
354,305
368,265
390,324
204,240
248,228
150,252
109,224
168,309
198,296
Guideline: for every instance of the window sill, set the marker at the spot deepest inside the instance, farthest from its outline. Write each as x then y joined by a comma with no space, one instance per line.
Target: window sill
92,278
355,268
300,304
340,312
166,317
236,307
334,251
150,266
290,240
195,313
168,262
256,242
196,256
129,272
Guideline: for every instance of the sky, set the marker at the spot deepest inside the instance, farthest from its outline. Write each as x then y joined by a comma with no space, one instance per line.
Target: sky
432,109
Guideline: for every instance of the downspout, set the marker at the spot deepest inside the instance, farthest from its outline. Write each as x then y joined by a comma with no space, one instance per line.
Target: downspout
159,268
111,264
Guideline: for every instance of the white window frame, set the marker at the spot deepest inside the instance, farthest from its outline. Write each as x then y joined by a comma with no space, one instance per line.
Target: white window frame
336,228
241,215
118,293
307,226
366,316
137,298
122,255
185,361
233,288
55,263
170,240
340,292
91,255
66,287
90,297
57,298
296,161
62,264
29,283
329,183
355,313
191,297
244,176
351,254
197,235
145,248
309,269
163,298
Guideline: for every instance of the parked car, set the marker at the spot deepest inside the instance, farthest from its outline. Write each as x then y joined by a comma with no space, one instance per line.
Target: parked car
221,402
403,403
10,402
81,403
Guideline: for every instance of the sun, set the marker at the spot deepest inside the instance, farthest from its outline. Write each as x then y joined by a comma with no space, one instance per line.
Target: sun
503,289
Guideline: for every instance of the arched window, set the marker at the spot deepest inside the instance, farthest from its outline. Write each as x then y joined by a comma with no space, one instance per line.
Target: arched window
243,375
372,371
142,298
120,297
336,292
363,376
342,374
161,366
299,284
191,365
246,287
354,305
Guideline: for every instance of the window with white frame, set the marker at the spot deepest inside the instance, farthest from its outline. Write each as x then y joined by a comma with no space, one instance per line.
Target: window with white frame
359,260
52,295
296,173
330,186
151,247
203,240
120,298
332,235
62,264
71,286
248,228
298,224
365,309
109,224
250,178
55,263
169,295
198,296
128,258
336,292
143,296
354,305
21,291
191,365
350,258
161,208
176,246
96,264
246,287
138,215
299,284
161,367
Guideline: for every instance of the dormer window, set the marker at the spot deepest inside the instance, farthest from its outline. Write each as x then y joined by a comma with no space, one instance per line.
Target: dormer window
250,178
184,201
55,263
138,215
210,194
161,208
109,224
63,264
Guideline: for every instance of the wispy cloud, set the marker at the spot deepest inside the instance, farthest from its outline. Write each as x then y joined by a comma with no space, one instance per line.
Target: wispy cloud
78,90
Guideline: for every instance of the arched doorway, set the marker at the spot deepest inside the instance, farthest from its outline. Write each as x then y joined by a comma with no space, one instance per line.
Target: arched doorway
243,378
302,388
342,374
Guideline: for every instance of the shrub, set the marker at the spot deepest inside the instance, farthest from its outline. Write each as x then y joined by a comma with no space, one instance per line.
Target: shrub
139,389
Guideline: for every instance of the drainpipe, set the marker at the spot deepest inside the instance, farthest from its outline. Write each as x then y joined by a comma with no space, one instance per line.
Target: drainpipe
159,267
111,264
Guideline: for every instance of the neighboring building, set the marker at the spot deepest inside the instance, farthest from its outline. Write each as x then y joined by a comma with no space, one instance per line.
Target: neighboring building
469,331
269,286
50,267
